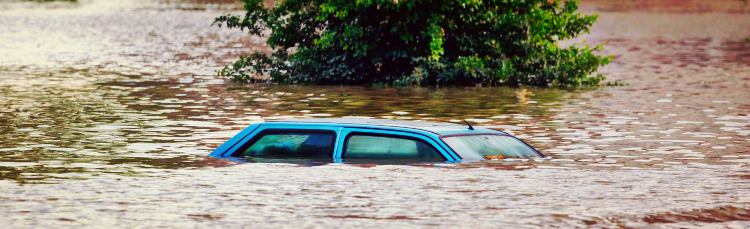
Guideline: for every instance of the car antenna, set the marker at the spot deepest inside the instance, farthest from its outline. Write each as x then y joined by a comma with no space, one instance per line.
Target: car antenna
467,123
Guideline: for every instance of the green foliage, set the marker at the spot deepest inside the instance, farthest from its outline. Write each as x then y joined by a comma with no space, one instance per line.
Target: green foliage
417,42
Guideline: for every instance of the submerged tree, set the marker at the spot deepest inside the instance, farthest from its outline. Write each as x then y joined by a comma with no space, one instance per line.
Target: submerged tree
417,42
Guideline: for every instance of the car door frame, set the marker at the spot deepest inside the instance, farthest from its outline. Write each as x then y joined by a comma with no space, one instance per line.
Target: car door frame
250,134
345,132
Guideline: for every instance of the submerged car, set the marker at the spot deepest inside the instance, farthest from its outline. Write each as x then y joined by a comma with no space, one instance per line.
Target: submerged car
351,140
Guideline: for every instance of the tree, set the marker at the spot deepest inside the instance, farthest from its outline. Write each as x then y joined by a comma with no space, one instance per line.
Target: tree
417,42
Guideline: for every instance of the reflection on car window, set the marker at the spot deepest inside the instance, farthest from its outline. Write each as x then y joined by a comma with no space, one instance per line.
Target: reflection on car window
490,146
385,147
292,145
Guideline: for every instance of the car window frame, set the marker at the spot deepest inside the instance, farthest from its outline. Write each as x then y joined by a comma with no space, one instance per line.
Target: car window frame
372,134
264,132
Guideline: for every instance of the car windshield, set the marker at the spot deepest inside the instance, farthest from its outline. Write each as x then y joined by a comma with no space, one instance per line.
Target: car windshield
490,146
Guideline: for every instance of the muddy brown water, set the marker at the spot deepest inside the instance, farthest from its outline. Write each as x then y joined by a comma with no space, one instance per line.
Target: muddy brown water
108,110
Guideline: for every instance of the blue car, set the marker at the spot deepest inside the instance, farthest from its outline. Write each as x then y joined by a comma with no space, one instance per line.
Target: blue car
372,140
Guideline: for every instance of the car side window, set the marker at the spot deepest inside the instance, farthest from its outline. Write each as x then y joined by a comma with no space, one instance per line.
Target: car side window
362,146
291,145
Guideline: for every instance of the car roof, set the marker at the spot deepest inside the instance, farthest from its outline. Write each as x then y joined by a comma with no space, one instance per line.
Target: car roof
440,128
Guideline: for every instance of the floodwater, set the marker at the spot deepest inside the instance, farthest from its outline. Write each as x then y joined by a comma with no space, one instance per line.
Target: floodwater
109,108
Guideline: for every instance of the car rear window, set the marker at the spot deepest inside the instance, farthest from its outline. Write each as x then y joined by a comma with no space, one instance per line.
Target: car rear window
291,145
490,146
361,146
